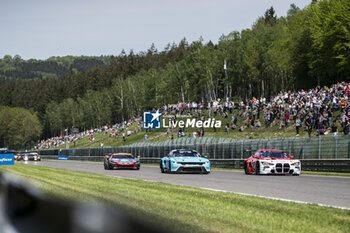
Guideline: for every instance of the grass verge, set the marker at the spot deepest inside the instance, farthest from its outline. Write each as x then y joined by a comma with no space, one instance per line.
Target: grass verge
188,209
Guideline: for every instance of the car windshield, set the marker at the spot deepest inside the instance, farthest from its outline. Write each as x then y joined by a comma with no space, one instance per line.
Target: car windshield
122,157
273,154
185,154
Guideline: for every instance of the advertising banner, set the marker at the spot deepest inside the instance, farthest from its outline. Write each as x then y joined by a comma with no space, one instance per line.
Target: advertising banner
62,157
7,159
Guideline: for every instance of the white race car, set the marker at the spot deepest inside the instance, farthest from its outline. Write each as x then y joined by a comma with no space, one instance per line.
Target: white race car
269,161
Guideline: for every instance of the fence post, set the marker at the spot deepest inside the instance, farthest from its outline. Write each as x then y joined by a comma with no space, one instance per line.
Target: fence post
223,151
203,149
214,150
242,149
336,147
319,147
232,149
302,149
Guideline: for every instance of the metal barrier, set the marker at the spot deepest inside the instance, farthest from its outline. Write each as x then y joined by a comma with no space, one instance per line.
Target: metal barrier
326,165
323,165
325,147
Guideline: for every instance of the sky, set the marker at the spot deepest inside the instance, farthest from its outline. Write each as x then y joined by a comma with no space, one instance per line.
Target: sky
43,28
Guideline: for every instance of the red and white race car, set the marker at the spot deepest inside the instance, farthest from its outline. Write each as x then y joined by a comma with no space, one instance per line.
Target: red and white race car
269,161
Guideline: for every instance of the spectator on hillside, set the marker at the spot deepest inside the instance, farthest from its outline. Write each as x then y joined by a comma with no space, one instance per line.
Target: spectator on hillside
346,127
242,128
334,128
318,104
308,124
257,124
297,125
194,134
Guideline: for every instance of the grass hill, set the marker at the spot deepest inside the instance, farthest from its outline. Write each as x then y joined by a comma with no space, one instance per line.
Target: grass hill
157,135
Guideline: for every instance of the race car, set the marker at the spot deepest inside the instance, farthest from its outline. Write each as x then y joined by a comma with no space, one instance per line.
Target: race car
121,160
18,157
269,161
184,160
31,156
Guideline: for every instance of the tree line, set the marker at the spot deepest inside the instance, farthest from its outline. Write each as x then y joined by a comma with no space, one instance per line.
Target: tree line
18,127
13,68
305,48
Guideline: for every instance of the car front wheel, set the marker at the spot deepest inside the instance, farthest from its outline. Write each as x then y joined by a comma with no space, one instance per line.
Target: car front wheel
161,167
246,168
257,172
169,168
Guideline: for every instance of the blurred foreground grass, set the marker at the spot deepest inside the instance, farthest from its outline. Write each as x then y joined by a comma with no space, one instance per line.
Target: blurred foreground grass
187,209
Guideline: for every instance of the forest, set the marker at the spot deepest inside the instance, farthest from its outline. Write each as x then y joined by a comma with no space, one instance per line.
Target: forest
305,48
12,68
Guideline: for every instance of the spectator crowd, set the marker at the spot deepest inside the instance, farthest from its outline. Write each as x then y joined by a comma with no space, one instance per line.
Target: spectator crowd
322,110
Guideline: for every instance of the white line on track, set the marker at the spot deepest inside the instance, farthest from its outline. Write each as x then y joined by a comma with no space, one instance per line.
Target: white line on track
275,198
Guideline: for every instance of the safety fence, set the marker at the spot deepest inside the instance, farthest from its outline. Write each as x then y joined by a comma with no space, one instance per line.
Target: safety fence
329,147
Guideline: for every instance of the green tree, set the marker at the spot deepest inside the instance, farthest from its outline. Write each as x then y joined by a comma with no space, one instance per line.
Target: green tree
18,127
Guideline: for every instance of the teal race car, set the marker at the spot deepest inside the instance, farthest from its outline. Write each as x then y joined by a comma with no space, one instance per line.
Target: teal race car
184,160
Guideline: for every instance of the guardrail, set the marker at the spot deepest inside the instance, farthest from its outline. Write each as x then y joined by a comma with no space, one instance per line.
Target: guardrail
329,147
326,165
322,165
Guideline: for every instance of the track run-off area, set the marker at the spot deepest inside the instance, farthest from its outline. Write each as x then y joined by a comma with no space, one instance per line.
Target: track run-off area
321,190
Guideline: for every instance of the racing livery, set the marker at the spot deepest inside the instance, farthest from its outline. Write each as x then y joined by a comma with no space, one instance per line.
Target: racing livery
184,160
269,161
121,160
18,157
31,156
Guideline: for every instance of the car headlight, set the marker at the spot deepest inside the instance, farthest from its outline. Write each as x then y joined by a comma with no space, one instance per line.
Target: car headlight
295,164
174,162
267,164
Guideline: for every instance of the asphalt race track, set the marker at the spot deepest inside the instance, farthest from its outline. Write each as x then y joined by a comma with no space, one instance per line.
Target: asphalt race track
322,190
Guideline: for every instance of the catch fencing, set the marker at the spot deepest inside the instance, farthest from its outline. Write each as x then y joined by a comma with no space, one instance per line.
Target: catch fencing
325,147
